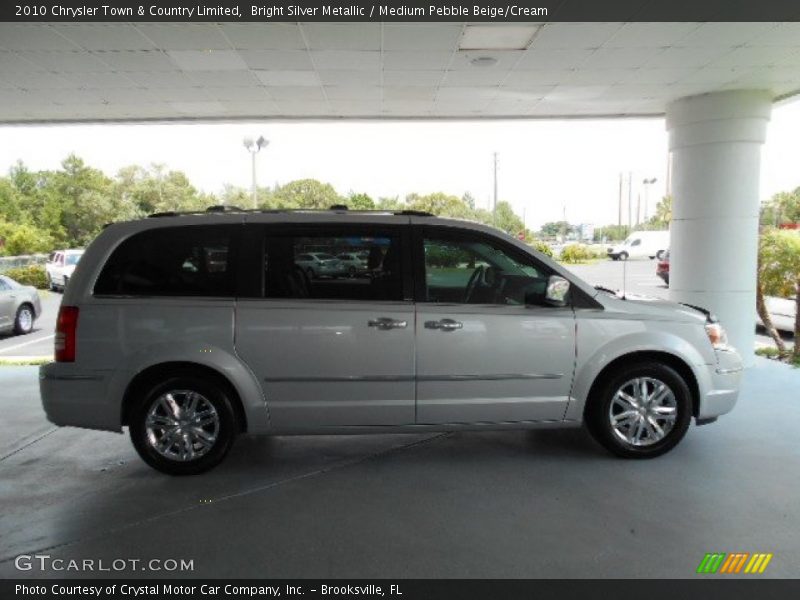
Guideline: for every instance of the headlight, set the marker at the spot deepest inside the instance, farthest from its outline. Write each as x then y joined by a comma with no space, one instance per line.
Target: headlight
716,334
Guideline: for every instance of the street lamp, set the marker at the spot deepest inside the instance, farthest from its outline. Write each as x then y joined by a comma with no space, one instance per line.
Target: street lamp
647,183
253,148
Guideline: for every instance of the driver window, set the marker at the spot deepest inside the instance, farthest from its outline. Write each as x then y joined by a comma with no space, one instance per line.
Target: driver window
475,272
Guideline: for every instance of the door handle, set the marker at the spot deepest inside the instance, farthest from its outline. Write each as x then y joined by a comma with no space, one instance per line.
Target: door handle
385,323
444,325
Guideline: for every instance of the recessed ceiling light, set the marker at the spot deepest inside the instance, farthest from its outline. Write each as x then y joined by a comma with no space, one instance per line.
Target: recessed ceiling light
483,61
497,37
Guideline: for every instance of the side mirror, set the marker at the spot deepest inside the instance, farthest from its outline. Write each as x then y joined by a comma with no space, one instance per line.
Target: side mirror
557,289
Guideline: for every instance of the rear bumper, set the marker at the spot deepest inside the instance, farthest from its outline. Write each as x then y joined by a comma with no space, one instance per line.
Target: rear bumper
79,398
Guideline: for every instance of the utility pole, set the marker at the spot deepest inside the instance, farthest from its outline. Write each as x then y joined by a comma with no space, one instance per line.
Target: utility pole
638,207
630,198
619,206
494,206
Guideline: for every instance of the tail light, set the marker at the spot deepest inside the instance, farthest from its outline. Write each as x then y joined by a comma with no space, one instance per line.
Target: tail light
66,331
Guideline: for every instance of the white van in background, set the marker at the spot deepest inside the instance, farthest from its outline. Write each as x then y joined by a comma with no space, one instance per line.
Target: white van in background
641,244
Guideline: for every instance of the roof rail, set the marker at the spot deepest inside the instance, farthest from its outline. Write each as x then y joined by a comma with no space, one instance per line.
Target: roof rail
221,208
336,208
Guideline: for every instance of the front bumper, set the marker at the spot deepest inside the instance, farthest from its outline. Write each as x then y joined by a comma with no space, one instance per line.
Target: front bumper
725,380
77,397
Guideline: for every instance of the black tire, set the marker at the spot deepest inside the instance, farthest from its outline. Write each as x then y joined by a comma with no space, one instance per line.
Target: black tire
623,256
23,325
614,256
310,273
598,410
214,394
660,255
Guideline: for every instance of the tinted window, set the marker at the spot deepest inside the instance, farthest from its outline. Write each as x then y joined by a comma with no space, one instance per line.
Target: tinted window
72,259
174,261
475,271
290,274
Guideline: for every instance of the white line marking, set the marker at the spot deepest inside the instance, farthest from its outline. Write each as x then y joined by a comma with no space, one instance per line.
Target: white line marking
28,343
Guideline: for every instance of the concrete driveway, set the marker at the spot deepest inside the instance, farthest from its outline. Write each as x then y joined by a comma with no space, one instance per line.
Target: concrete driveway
516,504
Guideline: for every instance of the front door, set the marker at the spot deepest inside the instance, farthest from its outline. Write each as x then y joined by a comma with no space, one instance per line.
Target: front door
332,348
489,350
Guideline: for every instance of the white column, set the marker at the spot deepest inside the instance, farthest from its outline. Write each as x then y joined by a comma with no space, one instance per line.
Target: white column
716,140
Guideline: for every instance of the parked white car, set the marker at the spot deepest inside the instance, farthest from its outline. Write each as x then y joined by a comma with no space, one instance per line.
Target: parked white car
641,244
59,267
459,327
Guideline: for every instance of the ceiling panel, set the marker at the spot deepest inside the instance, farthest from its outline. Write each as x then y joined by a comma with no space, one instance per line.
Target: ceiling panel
106,36
78,71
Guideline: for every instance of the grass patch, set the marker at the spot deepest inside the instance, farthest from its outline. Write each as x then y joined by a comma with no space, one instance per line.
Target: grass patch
33,361
774,354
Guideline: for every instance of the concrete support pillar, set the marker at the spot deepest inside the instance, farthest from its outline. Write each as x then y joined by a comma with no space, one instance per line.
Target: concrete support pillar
716,140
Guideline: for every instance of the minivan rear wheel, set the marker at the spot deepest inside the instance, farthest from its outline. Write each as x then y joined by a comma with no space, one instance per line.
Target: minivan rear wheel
184,425
641,411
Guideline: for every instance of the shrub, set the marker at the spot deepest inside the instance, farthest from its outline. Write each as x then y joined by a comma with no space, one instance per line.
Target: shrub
542,247
31,275
575,253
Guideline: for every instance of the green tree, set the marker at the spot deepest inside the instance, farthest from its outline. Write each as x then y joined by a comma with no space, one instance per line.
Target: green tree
612,233
782,208
663,215
555,228
20,238
359,201
304,193
439,204
506,219
779,275
391,203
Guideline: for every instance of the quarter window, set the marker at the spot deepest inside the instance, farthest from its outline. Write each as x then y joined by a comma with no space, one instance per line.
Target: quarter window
173,261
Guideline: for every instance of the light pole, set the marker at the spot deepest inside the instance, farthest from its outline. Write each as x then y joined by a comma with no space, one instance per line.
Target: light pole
647,183
494,204
253,148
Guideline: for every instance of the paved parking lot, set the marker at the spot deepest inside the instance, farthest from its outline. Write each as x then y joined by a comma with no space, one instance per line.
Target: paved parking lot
516,504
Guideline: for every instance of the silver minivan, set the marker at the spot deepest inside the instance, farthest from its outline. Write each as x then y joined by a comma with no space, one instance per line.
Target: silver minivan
192,328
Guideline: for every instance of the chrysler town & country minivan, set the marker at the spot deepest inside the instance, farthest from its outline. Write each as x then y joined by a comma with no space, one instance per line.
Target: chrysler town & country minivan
189,329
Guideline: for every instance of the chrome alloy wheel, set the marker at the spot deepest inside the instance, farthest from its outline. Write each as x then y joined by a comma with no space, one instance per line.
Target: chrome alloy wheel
643,411
25,319
182,425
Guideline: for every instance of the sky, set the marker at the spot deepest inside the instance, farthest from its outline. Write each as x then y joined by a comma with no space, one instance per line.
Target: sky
546,169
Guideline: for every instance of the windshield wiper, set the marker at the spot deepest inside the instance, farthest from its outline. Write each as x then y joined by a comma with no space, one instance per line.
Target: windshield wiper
605,289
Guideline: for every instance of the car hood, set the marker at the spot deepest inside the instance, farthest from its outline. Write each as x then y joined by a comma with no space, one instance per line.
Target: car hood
653,308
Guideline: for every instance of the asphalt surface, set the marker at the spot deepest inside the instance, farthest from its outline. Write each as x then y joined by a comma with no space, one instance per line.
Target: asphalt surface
39,342
640,279
549,503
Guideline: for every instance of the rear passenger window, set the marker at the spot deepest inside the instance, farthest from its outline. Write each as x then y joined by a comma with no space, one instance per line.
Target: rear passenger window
313,267
173,261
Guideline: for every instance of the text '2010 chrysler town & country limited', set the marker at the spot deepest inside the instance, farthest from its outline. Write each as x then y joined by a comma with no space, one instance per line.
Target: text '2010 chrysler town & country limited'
192,328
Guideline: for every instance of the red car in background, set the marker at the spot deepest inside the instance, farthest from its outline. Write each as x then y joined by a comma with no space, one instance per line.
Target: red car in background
662,267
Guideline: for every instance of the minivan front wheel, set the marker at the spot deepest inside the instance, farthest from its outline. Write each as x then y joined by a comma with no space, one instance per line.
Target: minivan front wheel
642,411
183,426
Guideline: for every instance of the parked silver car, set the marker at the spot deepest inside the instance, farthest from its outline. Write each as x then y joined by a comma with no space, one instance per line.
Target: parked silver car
20,306
459,327
353,264
320,264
